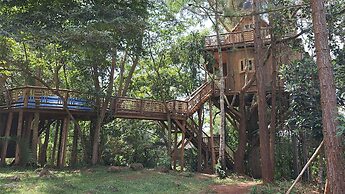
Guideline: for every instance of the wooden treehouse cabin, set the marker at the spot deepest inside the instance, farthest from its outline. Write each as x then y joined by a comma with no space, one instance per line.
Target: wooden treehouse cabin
237,50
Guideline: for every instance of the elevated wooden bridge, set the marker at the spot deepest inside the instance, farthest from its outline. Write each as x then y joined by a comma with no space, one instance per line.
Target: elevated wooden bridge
23,104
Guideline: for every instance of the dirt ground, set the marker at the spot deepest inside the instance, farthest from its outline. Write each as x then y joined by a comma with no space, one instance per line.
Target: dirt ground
240,188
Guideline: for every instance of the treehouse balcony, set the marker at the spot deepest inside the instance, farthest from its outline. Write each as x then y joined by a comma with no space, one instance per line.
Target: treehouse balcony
238,39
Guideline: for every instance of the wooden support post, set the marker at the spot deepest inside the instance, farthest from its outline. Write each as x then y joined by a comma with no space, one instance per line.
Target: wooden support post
74,155
43,156
35,136
19,137
183,144
6,136
169,140
213,154
56,135
175,149
199,134
63,146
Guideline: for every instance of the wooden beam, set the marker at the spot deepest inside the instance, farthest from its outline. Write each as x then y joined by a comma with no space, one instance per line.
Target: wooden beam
6,136
19,137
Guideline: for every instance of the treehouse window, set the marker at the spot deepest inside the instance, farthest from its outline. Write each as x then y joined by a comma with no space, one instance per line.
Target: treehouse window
246,64
248,26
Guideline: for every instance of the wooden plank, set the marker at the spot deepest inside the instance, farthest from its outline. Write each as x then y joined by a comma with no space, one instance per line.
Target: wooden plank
6,136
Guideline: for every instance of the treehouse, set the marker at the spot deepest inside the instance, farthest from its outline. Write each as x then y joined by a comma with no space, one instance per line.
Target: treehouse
238,62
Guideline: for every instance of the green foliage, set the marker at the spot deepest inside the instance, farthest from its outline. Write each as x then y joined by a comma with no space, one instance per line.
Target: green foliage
302,83
220,171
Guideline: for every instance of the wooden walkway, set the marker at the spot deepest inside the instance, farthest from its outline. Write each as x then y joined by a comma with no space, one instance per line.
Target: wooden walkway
52,104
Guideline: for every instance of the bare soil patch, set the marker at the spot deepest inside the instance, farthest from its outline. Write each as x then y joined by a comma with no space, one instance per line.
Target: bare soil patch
239,188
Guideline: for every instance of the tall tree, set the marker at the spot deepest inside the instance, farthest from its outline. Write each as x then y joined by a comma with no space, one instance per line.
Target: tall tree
266,165
333,144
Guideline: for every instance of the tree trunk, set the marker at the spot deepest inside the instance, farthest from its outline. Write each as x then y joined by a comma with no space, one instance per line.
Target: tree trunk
6,136
74,155
274,64
56,135
241,149
333,144
100,119
266,166
45,145
221,95
35,136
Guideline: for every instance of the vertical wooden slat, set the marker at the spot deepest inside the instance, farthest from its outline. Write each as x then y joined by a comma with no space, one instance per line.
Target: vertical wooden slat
19,137
6,136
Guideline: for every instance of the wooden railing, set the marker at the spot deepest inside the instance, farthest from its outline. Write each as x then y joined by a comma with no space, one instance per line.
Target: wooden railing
41,97
236,37
129,105
200,96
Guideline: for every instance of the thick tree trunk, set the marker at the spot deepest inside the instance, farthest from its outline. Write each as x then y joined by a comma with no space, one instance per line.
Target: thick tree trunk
266,166
333,144
274,63
19,137
241,149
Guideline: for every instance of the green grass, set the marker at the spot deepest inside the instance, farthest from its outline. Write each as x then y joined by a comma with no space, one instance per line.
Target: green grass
100,181
97,180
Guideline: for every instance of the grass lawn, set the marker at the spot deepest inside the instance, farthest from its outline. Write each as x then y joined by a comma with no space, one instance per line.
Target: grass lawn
98,180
